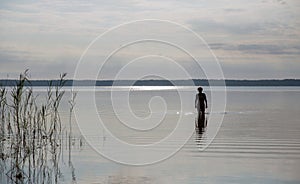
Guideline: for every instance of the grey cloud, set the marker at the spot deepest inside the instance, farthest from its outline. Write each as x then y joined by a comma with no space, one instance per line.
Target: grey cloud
13,62
282,2
226,27
7,55
261,70
234,10
56,24
271,49
267,49
79,6
216,46
243,26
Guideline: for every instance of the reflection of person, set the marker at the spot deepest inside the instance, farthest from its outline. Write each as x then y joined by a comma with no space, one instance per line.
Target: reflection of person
200,101
201,122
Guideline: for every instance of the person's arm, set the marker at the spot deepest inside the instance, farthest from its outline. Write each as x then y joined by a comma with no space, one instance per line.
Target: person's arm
196,101
205,100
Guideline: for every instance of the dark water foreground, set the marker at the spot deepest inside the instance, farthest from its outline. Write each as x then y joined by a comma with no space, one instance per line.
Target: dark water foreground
258,142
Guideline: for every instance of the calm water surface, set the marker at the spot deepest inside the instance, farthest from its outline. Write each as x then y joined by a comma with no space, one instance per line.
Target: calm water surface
258,141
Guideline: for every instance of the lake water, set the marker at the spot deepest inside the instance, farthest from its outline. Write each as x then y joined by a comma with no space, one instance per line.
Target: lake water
257,141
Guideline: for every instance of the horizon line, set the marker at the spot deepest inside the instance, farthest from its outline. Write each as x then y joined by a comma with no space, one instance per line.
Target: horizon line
50,79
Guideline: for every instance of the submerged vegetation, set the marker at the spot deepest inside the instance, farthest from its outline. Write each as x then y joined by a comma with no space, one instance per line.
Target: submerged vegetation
31,132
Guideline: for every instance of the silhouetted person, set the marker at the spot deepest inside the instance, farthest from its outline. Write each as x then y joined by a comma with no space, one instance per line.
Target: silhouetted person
201,105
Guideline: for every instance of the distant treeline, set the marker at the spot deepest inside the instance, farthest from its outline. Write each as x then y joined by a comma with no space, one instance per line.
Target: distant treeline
197,82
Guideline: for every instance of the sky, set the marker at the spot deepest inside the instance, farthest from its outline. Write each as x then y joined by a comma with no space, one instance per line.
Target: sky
257,39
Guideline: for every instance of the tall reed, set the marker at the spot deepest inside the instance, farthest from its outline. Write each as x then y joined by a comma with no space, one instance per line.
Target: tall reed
30,133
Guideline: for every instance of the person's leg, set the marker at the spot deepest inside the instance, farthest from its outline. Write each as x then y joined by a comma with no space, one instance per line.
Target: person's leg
198,118
203,119
203,113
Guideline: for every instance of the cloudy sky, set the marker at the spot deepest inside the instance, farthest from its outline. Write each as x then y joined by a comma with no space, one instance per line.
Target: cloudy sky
257,39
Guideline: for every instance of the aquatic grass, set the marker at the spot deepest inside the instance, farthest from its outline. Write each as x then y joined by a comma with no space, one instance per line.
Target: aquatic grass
30,132
2,111
70,138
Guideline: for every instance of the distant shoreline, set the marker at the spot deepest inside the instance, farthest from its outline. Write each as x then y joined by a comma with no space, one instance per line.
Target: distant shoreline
197,82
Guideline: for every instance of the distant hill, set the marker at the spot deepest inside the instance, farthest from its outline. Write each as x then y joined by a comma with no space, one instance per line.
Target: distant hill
197,82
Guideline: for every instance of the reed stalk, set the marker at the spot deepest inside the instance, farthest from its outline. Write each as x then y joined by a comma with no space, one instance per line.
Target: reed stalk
30,133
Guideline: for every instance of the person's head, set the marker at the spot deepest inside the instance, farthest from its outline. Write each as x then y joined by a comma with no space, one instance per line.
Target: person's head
200,89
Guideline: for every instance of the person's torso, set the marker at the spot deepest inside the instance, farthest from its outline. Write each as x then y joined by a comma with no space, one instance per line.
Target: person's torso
201,97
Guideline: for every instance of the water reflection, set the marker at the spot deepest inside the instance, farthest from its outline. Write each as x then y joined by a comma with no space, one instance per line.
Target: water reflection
200,128
44,165
201,123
